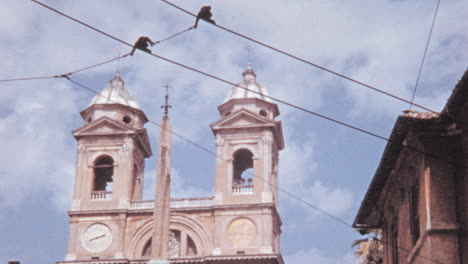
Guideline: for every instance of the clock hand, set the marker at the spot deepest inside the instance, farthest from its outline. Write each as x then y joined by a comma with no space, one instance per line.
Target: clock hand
94,238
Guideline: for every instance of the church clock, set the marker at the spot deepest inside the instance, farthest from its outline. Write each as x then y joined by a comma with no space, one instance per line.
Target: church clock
96,238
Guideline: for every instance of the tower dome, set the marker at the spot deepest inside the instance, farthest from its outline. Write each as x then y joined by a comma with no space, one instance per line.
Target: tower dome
249,81
116,93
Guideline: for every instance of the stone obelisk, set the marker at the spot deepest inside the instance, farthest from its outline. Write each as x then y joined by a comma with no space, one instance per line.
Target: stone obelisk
160,239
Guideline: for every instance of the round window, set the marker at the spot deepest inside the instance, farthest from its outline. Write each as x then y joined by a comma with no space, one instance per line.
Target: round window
127,119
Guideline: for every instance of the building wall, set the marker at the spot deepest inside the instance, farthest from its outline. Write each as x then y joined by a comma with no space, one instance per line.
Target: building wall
247,230
441,203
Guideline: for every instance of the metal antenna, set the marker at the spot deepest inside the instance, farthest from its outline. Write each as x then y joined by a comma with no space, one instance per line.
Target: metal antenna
166,105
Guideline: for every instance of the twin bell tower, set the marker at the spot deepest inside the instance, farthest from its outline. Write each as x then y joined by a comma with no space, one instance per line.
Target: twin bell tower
240,223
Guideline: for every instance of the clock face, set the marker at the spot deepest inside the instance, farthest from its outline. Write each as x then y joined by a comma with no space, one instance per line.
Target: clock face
96,238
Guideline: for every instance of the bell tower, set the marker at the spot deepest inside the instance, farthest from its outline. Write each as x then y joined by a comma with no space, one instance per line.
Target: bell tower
248,140
240,223
112,147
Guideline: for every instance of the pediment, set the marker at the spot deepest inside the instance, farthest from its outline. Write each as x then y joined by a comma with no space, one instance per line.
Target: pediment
242,118
103,125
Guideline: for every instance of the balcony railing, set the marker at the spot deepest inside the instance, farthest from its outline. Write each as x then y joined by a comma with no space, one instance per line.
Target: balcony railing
242,189
101,195
192,202
175,203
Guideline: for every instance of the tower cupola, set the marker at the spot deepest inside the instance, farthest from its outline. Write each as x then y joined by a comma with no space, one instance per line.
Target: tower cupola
250,95
116,93
249,81
117,103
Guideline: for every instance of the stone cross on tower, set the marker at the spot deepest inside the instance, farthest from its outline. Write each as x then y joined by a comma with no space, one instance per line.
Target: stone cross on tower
160,238
250,50
166,105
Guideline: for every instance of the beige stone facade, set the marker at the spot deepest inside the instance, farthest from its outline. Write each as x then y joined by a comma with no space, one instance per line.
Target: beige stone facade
419,194
240,223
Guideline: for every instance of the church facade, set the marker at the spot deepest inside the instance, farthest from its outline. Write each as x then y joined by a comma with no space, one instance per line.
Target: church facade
240,223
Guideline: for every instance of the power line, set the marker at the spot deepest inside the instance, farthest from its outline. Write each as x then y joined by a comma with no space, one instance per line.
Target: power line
174,35
425,52
91,66
253,91
29,78
98,64
290,194
306,61
66,74
220,79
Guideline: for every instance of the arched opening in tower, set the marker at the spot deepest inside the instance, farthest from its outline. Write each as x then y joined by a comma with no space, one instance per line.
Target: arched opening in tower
243,168
103,172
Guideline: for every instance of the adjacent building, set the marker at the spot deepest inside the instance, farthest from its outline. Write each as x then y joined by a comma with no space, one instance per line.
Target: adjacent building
240,223
419,194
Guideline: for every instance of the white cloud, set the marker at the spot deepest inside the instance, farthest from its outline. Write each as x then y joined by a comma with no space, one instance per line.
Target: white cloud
333,200
380,43
38,152
298,175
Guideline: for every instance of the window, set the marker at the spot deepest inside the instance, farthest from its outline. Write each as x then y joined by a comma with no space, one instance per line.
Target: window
243,168
263,113
127,119
103,172
414,213
394,234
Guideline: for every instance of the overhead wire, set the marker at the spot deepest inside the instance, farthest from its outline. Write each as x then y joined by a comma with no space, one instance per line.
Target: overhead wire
306,61
66,74
29,78
290,194
253,91
220,79
425,53
91,66
174,35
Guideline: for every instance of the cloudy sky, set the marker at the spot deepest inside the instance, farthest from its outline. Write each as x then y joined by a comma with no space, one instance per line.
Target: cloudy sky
377,42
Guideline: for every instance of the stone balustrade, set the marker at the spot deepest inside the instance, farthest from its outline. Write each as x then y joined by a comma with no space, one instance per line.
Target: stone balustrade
175,203
192,202
242,189
101,195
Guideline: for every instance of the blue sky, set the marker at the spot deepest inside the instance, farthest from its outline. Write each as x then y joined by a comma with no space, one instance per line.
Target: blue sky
377,42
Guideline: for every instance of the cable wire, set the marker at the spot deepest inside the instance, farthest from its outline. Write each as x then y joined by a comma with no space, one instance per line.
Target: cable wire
290,194
29,78
220,79
91,66
256,92
425,53
66,74
306,61
174,35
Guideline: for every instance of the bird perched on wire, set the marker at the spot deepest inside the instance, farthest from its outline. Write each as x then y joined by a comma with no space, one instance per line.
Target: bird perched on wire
142,44
205,14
